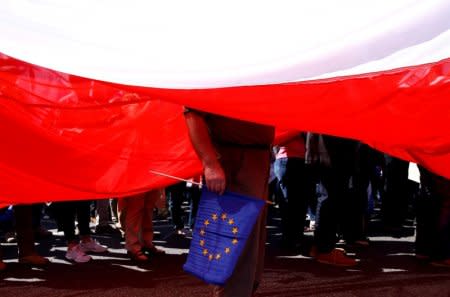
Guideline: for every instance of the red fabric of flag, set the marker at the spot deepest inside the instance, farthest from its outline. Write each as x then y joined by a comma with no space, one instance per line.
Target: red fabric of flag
66,137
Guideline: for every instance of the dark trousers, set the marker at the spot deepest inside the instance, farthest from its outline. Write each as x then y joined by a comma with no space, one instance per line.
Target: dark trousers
68,212
193,193
37,214
346,181
294,195
355,205
25,234
175,197
433,216
395,201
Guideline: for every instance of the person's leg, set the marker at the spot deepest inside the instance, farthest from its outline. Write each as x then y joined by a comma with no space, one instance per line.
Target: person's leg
287,225
247,173
395,200
175,199
330,207
354,230
83,217
147,217
326,226
104,218
444,226
114,206
66,214
194,197
425,218
25,236
147,223
87,244
36,215
293,203
132,222
442,191
39,230
103,214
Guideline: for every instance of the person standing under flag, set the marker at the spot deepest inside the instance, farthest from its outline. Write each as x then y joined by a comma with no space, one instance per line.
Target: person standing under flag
235,156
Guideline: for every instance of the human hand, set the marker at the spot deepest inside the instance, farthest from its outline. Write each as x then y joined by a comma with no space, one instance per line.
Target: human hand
215,178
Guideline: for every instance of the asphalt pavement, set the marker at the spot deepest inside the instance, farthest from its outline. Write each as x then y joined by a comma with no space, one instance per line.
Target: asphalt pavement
386,268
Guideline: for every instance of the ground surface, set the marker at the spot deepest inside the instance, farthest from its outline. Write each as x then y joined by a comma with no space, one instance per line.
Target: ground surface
386,268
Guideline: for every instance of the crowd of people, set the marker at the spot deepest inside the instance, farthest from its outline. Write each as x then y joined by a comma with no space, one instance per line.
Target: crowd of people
331,180
339,180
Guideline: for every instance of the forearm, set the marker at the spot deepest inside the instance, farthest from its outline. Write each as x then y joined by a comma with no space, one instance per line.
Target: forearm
201,141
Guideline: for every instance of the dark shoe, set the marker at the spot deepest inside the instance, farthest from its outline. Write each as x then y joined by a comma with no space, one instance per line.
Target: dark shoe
153,251
42,233
107,229
138,256
35,260
359,243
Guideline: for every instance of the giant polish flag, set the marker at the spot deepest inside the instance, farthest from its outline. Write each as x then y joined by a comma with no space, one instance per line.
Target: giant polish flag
91,92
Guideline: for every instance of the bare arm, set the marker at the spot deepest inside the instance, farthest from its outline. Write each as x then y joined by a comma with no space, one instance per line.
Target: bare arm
213,171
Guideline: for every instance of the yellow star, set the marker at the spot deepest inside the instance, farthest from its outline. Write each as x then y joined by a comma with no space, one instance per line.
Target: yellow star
206,222
223,216
210,257
215,217
218,256
230,221
202,242
235,230
227,250
234,241
205,252
202,232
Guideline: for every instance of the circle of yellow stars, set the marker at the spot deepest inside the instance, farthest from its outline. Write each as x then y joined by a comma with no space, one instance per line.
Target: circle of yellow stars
227,250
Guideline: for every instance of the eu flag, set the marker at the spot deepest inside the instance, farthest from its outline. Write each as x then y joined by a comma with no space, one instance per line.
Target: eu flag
221,229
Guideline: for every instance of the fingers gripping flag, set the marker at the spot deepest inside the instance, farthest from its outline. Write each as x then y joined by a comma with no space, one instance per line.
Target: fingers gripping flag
222,227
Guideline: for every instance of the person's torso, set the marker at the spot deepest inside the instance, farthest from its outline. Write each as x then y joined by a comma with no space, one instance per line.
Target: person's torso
227,131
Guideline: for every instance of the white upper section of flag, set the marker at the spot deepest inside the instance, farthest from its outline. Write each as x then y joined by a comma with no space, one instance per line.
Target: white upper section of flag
203,44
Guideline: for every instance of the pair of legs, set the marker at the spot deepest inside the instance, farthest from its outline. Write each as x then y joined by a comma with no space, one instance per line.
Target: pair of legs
136,219
338,201
23,215
77,245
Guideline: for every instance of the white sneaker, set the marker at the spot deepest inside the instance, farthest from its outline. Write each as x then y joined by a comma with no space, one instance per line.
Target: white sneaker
92,246
76,254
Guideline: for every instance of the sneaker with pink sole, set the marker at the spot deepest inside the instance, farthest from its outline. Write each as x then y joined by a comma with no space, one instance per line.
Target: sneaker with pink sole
76,254
92,246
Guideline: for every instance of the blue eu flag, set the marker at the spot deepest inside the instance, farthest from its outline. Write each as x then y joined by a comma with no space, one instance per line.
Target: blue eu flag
222,227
